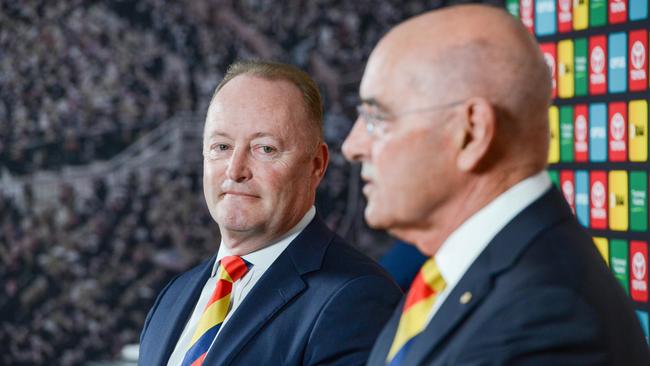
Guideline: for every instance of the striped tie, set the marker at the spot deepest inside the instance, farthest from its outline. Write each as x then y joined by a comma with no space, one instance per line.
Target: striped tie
420,299
231,269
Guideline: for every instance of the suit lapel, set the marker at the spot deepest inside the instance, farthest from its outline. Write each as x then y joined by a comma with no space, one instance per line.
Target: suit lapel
385,340
279,285
502,252
181,311
450,315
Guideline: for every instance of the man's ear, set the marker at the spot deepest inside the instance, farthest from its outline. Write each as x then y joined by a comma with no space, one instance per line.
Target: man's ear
320,160
478,133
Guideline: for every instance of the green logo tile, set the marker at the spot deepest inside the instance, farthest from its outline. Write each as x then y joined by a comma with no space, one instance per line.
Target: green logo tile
618,262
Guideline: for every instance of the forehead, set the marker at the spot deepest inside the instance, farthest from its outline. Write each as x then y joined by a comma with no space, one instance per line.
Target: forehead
391,78
255,103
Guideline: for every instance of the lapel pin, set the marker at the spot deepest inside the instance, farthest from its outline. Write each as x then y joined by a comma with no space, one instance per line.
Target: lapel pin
466,297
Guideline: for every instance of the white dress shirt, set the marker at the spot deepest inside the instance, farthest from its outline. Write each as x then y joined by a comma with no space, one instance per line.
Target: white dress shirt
261,260
467,242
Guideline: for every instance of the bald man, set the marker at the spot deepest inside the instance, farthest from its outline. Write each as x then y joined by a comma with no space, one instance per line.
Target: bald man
452,136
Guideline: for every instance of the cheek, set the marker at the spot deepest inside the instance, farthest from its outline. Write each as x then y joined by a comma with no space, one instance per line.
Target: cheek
213,175
395,163
407,168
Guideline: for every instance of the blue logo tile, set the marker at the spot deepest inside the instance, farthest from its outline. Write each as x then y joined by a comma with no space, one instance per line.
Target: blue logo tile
617,62
545,17
582,197
598,132
638,9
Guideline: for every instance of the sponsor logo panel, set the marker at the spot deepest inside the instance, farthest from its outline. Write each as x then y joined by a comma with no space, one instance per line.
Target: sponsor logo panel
545,17
617,131
617,62
638,201
618,262
597,12
597,65
618,200
565,68
582,197
638,60
580,14
581,72
564,16
638,9
566,134
617,11
598,199
581,133
638,131
598,132
554,127
639,271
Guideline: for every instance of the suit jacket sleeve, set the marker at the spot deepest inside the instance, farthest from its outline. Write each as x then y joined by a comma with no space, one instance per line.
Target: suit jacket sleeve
350,321
549,326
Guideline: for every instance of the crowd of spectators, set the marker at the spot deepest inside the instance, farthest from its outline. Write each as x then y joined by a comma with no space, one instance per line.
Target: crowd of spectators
78,276
79,83
82,79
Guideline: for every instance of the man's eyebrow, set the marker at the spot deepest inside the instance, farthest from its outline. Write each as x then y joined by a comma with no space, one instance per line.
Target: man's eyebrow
263,134
372,102
218,133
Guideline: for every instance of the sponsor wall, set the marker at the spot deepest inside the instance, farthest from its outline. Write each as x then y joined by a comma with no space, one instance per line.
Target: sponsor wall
597,51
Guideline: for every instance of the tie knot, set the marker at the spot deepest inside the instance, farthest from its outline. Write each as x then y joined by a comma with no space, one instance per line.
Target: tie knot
235,267
431,273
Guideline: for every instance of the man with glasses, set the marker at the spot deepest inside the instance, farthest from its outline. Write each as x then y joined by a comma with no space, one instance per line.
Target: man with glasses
282,289
453,136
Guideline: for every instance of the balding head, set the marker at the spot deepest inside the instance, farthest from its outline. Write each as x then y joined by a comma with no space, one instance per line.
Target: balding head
473,51
454,105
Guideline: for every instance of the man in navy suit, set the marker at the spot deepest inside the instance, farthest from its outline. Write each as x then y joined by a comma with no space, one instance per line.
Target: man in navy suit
453,137
283,289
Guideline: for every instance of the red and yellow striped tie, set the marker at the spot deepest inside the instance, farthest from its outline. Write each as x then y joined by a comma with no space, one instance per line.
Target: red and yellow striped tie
420,299
230,270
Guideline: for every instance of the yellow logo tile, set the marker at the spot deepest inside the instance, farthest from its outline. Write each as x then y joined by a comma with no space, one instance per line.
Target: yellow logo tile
554,126
580,14
638,131
565,68
618,200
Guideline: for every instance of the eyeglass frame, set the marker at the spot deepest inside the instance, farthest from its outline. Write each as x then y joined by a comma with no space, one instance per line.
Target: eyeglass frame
373,121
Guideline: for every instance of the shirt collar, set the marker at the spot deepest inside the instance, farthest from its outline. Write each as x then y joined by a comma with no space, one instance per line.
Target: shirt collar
263,258
465,244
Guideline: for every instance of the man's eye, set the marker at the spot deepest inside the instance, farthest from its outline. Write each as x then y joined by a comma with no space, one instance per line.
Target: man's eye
221,147
268,149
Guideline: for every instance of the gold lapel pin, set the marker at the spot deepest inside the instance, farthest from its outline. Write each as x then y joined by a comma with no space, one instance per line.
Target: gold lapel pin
466,297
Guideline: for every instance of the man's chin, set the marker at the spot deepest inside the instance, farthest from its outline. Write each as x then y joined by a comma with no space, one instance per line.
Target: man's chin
374,219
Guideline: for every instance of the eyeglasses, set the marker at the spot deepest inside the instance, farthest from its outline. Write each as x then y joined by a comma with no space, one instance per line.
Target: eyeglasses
377,121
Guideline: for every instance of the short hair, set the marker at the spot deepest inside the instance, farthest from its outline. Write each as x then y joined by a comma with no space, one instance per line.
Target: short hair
280,71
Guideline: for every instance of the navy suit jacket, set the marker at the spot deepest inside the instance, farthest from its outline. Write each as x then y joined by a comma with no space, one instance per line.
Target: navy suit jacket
540,295
320,303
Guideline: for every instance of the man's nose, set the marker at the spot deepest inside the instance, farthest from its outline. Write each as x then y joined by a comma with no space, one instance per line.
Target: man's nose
239,166
356,146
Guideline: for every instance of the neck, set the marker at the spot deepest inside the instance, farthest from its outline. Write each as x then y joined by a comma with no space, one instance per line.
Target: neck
477,193
239,243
